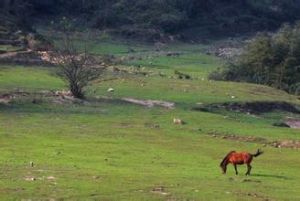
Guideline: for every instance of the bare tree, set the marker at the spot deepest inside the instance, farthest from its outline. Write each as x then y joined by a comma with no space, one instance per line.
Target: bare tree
77,68
78,71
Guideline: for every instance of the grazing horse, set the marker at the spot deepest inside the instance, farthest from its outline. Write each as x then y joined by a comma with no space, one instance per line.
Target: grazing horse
236,158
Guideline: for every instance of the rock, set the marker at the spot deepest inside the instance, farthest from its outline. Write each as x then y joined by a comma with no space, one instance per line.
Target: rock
110,90
29,178
51,178
150,103
63,93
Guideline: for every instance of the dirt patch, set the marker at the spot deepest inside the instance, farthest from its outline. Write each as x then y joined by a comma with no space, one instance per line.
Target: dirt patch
293,123
27,57
293,144
150,103
257,196
252,139
5,99
258,107
8,97
58,97
160,190
30,178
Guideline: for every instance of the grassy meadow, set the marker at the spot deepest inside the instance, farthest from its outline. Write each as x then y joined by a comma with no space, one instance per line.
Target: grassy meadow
107,149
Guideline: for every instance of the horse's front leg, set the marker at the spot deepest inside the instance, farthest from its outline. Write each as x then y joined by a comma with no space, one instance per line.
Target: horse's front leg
235,168
249,167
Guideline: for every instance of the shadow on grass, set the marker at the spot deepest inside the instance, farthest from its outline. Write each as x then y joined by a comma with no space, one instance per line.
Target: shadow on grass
99,107
88,106
271,176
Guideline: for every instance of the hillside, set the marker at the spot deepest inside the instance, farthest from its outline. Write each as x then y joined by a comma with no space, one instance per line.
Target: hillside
112,100
106,148
184,19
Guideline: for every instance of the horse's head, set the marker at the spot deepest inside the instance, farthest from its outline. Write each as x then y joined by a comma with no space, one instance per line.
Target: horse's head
224,162
223,167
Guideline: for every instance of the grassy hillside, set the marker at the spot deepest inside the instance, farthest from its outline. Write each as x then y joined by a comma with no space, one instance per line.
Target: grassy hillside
107,149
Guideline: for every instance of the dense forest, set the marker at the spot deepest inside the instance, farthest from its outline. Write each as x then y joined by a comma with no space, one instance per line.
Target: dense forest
190,18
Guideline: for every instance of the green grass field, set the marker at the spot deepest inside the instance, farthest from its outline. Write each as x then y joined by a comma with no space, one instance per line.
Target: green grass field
106,149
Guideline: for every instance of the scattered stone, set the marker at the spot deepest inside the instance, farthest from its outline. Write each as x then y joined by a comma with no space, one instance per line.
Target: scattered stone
6,98
96,177
150,103
63,93
51,178
110,90
29,178
293,123
287,144
160,190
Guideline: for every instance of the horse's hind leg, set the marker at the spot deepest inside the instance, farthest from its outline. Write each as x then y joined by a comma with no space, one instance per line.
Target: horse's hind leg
235,168
249,167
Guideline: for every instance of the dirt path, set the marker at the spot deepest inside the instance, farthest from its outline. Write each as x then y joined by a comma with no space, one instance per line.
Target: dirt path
150,103
13,54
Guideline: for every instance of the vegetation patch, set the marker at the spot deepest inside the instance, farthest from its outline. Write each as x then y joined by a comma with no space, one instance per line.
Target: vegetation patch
295,144
269,59
256,107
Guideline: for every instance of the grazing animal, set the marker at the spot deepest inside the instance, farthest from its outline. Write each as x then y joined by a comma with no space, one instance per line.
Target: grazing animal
178,121
241,158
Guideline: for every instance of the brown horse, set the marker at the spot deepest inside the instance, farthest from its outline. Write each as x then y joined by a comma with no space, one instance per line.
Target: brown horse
236,158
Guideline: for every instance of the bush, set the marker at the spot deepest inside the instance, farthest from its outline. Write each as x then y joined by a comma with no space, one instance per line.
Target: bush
295,89
270,60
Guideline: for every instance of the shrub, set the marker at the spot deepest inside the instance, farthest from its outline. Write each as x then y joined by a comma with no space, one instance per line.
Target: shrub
272,60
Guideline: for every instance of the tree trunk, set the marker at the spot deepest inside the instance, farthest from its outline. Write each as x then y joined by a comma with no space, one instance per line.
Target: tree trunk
76,91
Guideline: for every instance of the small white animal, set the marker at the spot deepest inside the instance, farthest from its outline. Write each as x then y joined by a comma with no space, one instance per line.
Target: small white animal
178,121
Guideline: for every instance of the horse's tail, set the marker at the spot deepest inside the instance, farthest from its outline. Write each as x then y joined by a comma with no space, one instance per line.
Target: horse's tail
258,152
226,158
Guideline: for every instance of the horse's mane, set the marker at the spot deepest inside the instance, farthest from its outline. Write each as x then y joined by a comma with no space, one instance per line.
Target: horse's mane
225,158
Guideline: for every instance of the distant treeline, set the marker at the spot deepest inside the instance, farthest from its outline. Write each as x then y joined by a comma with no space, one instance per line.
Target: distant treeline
270,59
168,16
